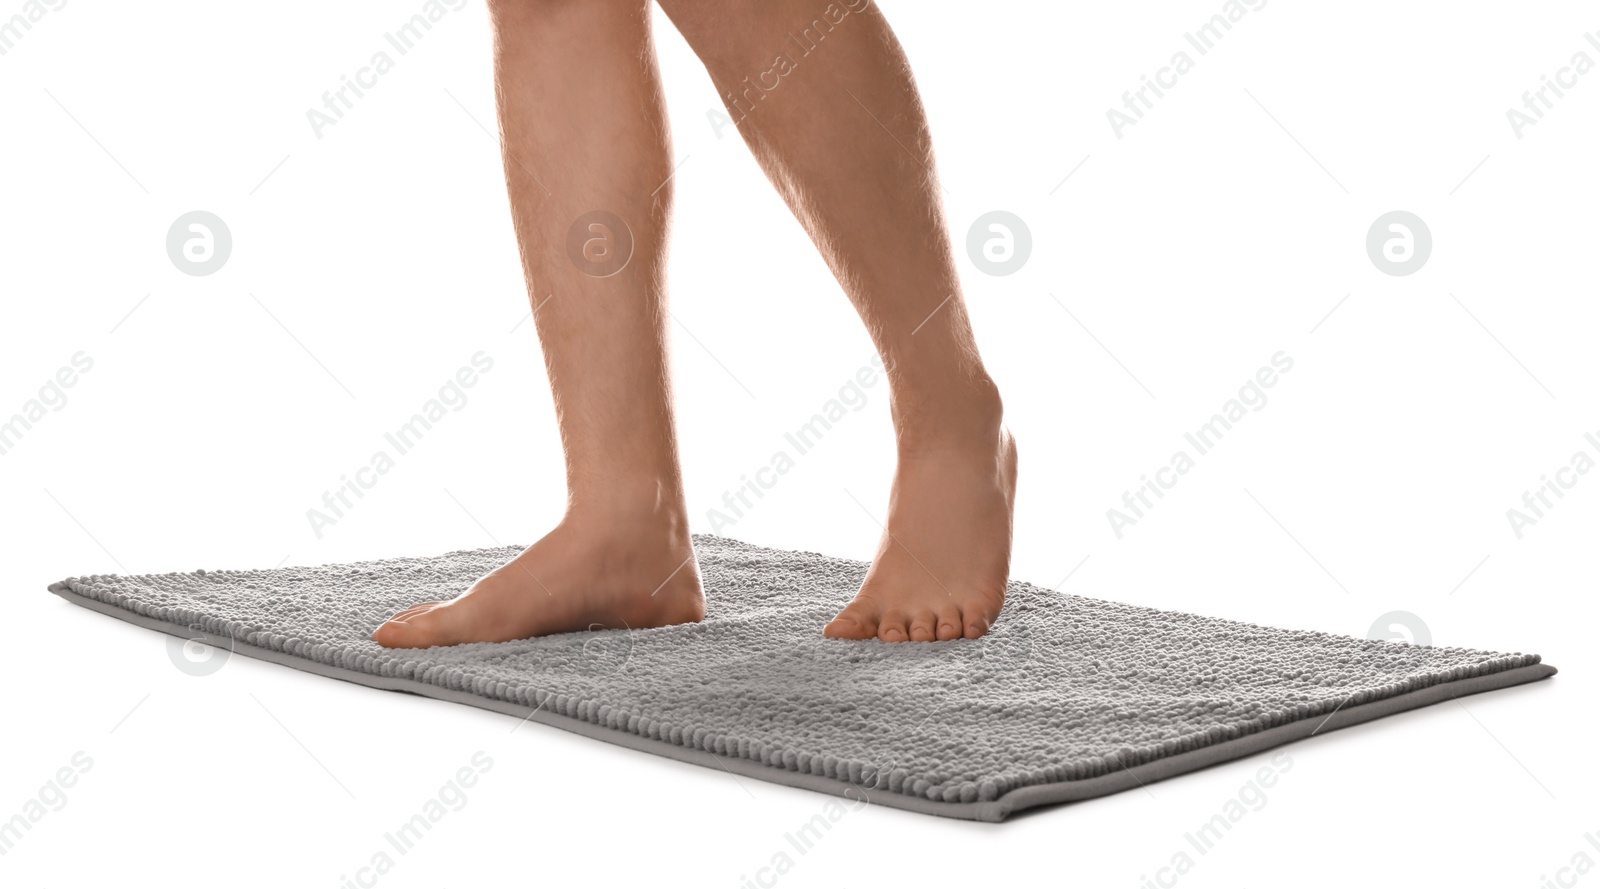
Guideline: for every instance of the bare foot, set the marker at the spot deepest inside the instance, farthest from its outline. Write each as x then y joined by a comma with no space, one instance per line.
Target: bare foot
940,571
583,575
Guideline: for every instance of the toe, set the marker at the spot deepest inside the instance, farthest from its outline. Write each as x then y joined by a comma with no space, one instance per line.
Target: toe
894,626
856,621
414,610
395,634
422,628
949,625
923,621
976,626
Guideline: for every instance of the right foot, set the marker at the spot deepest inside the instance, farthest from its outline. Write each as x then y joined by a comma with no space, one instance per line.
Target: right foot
584,575
942,563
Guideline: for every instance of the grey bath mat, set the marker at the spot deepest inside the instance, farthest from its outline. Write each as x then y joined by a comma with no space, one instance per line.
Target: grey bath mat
1067,698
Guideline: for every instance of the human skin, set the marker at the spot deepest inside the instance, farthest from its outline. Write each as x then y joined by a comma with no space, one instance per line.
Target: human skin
843,138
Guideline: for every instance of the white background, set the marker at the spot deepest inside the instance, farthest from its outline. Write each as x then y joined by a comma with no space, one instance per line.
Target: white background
370,264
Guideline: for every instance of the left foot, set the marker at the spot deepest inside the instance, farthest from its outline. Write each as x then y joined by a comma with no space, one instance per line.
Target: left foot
634,569
941,568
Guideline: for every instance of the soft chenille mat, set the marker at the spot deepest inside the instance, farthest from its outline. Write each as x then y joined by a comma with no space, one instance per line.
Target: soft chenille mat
1067,697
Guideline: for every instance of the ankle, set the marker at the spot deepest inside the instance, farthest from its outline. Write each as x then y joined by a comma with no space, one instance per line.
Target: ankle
964,416
630,506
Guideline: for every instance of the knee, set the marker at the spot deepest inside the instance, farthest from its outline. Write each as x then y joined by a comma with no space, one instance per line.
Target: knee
551,5
500,7
725,34
735,37
510,14
520,13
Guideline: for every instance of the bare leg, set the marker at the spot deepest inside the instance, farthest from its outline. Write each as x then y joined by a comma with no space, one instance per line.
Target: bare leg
823,95
581,109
